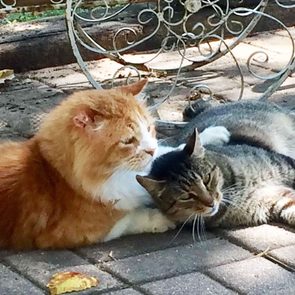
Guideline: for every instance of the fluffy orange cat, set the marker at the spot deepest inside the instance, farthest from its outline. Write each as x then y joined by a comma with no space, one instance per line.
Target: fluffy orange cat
70,184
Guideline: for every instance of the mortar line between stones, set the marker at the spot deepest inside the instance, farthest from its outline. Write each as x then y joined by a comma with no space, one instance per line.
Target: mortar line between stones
24,276
120,278
200,270
236,242
112,273
278,262
93,261
101,267
224,284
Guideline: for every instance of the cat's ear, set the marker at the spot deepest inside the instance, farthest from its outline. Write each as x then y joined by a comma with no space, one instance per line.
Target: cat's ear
193,145
154,187
134,88
85,117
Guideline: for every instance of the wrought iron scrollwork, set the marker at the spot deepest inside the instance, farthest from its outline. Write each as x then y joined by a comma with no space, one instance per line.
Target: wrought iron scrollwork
182,33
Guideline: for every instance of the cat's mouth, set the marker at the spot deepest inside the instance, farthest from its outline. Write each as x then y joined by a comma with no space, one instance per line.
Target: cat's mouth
212,210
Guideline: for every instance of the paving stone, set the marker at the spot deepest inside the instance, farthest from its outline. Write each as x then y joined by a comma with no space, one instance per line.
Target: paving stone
261,238
285,96
255,276
125,292
70,77
285,254
193,284
178,260
13,284
40,96
41,265
137,244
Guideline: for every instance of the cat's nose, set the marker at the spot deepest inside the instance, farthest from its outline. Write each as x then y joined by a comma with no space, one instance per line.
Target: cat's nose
150,151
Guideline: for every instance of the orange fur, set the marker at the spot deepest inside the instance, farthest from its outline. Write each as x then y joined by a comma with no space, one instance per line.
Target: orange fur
46,182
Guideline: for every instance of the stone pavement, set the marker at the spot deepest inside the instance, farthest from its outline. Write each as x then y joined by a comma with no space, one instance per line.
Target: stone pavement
254,260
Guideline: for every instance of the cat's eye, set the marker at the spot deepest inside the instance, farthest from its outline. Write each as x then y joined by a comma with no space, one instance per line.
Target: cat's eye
206,178
149,128
129,140
192,195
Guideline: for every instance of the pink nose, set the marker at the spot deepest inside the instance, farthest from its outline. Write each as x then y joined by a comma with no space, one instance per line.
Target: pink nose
150,151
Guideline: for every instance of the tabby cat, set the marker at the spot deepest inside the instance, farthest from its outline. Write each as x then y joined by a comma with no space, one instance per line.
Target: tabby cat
257,123
227,185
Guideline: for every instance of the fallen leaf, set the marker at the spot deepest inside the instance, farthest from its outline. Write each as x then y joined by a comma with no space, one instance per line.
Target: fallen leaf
6,75
65,282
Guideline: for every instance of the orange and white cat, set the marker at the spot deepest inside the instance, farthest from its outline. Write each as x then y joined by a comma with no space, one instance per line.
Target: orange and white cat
70,185
74,182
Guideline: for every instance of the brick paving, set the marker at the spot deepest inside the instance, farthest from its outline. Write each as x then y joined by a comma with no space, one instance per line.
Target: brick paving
254,260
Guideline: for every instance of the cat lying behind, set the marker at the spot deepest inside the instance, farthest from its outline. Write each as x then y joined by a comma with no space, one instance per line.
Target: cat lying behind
258,123
74,182
227,185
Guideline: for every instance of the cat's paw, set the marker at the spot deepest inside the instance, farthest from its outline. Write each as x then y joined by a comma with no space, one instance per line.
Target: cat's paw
216,135
160,223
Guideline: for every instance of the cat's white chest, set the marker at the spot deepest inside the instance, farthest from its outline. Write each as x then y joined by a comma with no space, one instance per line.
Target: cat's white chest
124,191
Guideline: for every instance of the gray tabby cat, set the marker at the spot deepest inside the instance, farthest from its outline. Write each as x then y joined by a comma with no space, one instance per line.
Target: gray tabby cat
228,185
257,123
244,182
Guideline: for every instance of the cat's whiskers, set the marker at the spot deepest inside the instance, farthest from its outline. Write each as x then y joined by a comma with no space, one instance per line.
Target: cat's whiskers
193,228
198,224
233,188
228,203
181,228
203,229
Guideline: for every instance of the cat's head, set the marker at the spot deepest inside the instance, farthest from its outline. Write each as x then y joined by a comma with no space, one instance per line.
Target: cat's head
185,183
94,132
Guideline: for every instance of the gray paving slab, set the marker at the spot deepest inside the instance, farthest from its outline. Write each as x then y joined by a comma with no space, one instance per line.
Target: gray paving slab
261,238
13,284
285,255
39,266
137,244
192,284
255,276
176,261
128,291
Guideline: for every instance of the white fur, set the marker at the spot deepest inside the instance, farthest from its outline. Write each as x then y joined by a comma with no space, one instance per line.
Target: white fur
148,142
216,135
161,150
123,189
140,221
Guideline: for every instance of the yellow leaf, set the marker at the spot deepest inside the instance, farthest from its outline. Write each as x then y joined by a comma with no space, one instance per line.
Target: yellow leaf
64,282
6,75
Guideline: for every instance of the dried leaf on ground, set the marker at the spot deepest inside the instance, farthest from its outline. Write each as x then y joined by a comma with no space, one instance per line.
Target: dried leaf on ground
65,282
6,75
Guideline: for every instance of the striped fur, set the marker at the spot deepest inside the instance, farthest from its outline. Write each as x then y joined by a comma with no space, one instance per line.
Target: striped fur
228,185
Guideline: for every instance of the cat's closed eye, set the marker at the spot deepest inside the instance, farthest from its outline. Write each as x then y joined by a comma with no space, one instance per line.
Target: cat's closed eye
207,179
129,140
187,197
